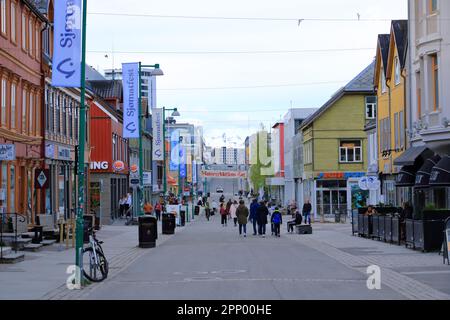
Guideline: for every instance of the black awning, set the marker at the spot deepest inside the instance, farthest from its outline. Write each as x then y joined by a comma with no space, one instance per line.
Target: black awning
406,177
440,175
424,173
409,157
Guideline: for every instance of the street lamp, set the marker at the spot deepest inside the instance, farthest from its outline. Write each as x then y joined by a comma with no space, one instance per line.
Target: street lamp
155,72
175,113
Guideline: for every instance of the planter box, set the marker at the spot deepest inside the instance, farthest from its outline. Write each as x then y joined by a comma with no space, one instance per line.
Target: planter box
428,234
409,241
355,222
418,234
382,228
388,229
368,227
395,230
375,227
360,225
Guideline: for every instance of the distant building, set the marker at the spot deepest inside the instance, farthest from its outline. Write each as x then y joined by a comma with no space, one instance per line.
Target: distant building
226,155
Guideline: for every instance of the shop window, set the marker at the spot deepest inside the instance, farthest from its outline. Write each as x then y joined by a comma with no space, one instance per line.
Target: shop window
12,189
4,186
371,107
350,151
440,198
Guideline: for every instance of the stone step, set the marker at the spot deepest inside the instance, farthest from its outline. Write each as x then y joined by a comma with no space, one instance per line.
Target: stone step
6,251
33,247
12,258
48,242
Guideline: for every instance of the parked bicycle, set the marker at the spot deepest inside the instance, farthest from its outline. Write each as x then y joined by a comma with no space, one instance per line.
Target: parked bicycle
95,265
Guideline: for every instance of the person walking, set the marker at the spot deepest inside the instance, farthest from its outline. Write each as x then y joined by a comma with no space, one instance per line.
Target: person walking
242,214
214,207
207,210
262,213
228,207
158,209
276,220
223,214
122,206
307,208
233,214
254,215
128,203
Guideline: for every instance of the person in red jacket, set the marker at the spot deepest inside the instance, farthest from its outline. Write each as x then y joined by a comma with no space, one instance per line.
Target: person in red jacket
223,214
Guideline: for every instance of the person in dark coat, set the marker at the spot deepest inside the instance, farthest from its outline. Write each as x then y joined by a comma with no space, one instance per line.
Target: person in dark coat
254,215
242,214
262,213
296,222
307,208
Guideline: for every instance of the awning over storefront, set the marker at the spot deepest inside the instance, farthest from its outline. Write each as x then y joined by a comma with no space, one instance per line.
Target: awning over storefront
424,173
440,175
406,177
409,157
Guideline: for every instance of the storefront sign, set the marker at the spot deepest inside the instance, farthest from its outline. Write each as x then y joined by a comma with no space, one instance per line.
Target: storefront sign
99,165
147,179
369,183
340,175
134,181
7,152
131,108
42,178
118,166
223,174
134,168
66,71
157,123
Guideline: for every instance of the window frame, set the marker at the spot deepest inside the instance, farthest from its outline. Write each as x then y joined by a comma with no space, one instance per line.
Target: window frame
432,10
383,82
4,101
360,148
374,107
24,110
435,81
13,118
13,21
3,18
397,71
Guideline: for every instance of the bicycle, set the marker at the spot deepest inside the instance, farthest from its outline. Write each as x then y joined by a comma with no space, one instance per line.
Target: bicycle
95,265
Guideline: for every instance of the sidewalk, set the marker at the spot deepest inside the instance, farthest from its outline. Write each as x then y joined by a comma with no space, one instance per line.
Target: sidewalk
413,274
42,275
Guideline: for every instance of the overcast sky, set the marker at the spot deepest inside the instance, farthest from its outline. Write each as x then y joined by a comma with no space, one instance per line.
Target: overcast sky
300,79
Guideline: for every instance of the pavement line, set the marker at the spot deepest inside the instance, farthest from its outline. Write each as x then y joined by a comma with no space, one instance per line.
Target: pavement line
425,272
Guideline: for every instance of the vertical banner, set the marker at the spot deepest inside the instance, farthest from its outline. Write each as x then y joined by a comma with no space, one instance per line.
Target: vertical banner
174,150
194,172
131,110
66,70
157,124
152,84
182,161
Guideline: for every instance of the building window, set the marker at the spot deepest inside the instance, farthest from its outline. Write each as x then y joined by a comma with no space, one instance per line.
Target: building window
397,71
38,43
418,96
30,37
57,114
3,15
3,93
13,105
31,113
350,151
432,6
402,129
76,122
24,110
24,32
371,107
12,188
383,81
435,80
13,22
70,133
38,116
64,118
396,131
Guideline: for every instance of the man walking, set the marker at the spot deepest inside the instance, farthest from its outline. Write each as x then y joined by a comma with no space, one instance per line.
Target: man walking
242,216
254,215
307,208
207,210
262,213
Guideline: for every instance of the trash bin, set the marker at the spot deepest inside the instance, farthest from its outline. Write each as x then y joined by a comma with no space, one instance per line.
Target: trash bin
337,217
148,231
197,210
168,223
88,223
38,231
182,218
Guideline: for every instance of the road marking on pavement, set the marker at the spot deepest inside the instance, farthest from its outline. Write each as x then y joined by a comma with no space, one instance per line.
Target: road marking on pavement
426,272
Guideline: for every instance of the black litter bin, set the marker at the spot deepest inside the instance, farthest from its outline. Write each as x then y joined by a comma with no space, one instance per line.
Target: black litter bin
38,232
148,231
197,210
87,225
337,217
168,223
182,218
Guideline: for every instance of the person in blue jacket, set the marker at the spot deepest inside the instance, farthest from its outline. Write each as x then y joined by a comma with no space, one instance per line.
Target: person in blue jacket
277,220
254,215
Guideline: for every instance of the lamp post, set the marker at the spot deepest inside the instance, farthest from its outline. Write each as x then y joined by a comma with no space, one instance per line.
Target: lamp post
175,113
156,72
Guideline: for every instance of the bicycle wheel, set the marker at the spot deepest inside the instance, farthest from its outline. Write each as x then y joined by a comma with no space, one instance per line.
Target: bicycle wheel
95,272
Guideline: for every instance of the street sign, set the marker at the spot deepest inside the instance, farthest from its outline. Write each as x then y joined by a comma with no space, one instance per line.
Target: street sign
134,182
147,179
42,178
7,152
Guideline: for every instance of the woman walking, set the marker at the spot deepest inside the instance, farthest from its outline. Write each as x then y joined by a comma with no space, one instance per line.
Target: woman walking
233,215
223,215
242,214
262,213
